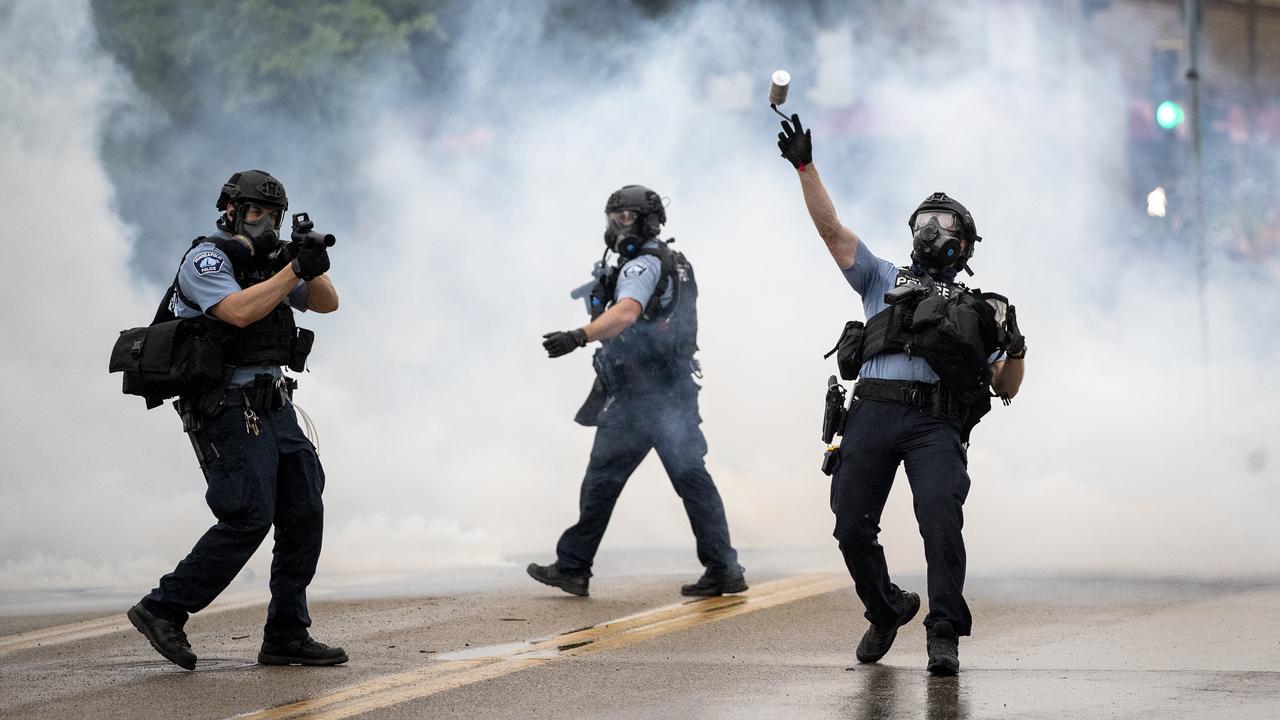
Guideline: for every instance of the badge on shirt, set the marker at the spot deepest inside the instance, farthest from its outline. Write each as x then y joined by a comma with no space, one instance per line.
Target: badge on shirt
633,270
208,262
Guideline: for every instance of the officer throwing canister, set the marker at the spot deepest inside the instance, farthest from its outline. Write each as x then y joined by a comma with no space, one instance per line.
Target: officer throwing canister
645,397
926,361
238,289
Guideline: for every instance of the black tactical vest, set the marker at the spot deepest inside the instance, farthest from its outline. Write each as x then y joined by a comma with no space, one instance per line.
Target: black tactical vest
273,340
659,347
952,327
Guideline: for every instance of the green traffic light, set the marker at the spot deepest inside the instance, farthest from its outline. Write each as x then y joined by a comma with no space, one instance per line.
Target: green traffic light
1169,115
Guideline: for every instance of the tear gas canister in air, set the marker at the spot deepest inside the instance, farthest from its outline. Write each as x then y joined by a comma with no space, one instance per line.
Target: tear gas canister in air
779,83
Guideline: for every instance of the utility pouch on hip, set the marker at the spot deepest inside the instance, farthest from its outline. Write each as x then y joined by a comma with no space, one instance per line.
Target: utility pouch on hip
831,460
166,359
302,343
848,350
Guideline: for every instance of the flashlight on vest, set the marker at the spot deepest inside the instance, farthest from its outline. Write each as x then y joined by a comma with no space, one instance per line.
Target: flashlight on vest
904,293
779,84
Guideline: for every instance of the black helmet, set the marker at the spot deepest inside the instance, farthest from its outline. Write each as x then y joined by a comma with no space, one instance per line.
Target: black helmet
932,249
249,188
643,201
255,186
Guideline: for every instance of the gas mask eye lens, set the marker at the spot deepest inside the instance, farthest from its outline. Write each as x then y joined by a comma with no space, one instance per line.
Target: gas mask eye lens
945,220
259,216
623,218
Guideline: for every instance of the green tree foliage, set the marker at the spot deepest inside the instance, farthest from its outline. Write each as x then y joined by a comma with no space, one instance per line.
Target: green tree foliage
258,56
234,84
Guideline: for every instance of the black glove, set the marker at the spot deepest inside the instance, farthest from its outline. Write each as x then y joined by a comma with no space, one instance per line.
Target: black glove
563,343
312,262
796,143
1015,343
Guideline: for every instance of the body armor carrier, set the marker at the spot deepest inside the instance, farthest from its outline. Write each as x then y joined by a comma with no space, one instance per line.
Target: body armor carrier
273,340
952,327
659,347
194,358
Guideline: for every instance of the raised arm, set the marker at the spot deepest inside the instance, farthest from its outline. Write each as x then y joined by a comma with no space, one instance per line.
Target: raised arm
796,145
841,242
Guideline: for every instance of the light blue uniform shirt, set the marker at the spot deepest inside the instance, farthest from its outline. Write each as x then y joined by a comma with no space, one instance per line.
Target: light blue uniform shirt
872,277
207,278
639,278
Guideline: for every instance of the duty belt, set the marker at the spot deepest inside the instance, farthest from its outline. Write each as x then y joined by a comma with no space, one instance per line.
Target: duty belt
907,392
264,393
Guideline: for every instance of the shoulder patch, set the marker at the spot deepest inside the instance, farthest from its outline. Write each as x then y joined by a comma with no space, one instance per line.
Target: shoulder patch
208,261
633,270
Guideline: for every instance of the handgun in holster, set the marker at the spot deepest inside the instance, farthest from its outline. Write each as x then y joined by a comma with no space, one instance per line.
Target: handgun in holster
832,424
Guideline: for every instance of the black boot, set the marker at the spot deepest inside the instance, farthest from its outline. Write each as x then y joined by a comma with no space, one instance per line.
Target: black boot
879,638
711,584
944,649
300,652
572,583
167,638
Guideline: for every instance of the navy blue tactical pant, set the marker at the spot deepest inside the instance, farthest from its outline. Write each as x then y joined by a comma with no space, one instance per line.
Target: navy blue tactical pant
878,435
254,482
627,429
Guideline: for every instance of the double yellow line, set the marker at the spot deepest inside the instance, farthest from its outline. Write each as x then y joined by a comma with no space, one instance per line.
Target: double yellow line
97,627
448,674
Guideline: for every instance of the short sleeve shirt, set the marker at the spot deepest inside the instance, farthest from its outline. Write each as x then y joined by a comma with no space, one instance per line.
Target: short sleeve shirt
639,277
872,277
206,278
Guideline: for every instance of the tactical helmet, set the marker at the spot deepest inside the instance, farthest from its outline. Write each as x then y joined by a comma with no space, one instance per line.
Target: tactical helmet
249,188
643,201
253,186
941,202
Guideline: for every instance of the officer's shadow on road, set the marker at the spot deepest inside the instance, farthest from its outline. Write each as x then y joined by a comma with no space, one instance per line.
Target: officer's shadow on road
888,693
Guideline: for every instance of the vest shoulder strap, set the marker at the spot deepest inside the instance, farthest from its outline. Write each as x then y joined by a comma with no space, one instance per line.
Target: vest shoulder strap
163,313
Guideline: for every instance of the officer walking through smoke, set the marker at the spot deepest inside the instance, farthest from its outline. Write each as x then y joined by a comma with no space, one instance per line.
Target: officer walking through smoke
643,311
926,360
240,286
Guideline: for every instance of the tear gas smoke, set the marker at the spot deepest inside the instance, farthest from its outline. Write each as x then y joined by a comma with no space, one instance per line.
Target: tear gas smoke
446,432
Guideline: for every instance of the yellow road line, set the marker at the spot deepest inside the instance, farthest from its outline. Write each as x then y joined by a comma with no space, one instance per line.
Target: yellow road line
71,632
449,674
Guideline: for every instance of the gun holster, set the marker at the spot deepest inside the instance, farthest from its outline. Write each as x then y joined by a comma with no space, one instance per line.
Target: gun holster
591,407
191,418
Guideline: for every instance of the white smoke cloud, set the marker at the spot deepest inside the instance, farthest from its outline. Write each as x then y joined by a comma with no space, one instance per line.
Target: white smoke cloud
446,432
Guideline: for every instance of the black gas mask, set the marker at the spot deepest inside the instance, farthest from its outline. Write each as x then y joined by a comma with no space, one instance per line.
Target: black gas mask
263,232
635,216
624,233
936,242
943,235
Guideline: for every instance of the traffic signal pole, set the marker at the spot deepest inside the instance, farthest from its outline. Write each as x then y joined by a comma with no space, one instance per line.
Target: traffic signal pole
1192,14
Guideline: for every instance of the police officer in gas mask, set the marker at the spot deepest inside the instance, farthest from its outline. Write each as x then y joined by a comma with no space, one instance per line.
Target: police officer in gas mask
243,283
927,362
643,313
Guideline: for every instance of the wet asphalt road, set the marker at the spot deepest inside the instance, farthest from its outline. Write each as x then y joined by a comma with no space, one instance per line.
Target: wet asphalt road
1042,649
